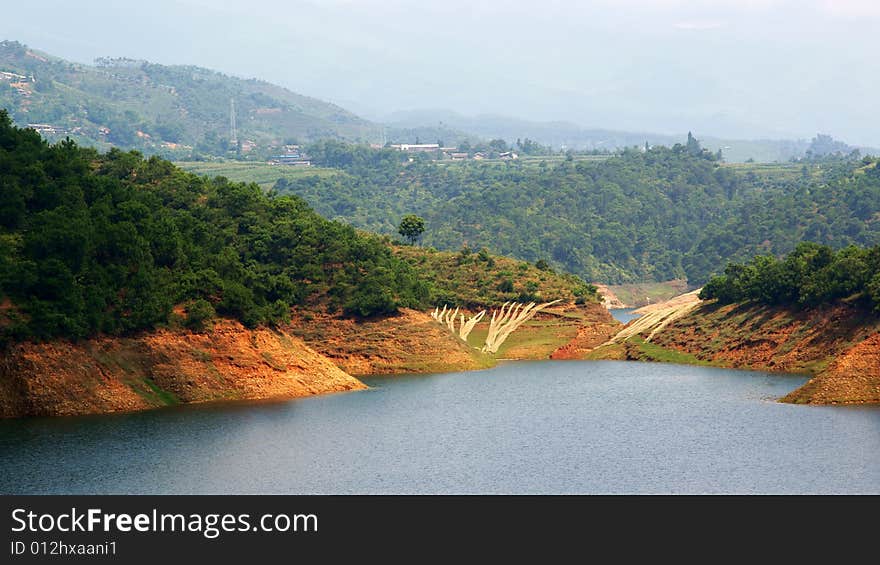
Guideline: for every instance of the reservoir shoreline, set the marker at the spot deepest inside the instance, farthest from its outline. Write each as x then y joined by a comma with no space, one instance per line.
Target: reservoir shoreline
230,362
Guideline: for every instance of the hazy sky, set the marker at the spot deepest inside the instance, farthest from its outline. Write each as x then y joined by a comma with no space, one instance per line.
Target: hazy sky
744,68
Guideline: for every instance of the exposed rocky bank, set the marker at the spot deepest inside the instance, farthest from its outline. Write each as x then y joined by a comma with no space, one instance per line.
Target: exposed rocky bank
162,368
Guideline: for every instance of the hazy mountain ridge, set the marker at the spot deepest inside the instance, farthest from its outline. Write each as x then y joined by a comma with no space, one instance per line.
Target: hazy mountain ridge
183,110
134,103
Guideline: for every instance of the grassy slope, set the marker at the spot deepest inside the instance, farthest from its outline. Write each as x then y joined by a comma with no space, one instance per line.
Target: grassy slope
638,348
536,339
552,331
470,281
264,174
768,338
412,342
776,171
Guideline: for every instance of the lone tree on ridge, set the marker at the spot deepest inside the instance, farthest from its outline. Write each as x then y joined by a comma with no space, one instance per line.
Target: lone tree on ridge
411,227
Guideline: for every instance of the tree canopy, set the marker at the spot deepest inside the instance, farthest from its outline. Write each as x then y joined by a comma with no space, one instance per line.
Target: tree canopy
115,243
811,275
643,215
112,243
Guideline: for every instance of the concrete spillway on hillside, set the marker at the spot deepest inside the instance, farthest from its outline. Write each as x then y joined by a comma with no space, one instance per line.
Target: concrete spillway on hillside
655,317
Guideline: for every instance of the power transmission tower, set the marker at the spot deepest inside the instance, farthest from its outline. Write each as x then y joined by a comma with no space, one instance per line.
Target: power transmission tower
233,135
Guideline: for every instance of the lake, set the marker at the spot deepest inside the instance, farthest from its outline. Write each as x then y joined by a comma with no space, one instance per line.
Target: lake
522,427
623,315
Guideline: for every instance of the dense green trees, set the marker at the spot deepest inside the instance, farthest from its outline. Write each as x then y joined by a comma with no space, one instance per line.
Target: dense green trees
356,158
111,243
810,275
654,214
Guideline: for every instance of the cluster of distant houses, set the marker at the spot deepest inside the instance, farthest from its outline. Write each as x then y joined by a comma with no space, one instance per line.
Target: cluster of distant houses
49,129
103,131
292,155
452,153
21,83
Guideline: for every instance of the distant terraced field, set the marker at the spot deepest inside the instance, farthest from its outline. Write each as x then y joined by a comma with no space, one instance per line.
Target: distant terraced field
264,174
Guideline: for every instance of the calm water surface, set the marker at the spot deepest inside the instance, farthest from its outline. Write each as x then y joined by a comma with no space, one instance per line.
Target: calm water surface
623,315
523,427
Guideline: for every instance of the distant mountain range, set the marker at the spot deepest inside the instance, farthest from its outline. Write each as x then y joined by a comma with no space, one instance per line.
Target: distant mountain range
183,111
134,103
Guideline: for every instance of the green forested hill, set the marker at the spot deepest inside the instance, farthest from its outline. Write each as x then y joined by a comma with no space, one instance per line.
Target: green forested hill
112,243
662,214
811,275
182,105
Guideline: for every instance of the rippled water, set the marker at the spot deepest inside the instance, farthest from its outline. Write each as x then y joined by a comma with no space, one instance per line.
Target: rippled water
523,427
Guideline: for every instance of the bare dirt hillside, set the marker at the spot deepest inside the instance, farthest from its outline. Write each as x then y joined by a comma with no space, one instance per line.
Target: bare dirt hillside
598,326
609,299
413,342
409,342
853,377
162,368
314,354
